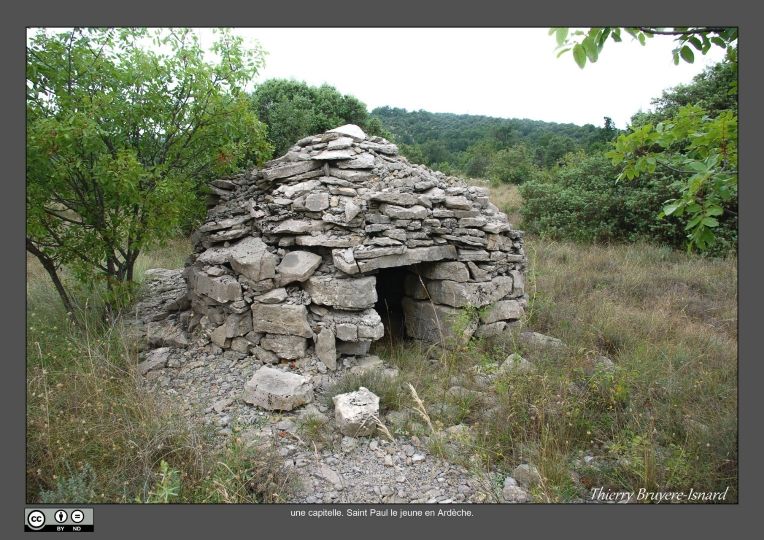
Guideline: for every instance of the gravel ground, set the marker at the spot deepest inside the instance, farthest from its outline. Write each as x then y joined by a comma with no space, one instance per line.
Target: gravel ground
207,388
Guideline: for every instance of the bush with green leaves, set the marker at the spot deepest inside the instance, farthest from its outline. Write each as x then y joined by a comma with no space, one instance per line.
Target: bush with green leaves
699,148
583,201
512,165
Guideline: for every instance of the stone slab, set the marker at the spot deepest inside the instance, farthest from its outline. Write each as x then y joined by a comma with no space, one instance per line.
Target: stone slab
281,319
274,389
349,293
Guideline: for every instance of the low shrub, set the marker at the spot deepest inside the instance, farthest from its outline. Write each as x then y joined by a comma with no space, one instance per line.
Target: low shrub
582,201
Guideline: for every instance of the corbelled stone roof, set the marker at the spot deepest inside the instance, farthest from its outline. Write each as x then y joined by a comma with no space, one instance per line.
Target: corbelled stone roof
284,266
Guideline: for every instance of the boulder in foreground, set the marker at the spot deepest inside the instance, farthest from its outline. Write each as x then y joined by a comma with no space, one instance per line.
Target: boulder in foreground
355,412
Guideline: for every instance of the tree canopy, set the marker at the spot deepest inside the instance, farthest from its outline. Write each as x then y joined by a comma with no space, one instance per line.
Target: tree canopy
294,109
120,138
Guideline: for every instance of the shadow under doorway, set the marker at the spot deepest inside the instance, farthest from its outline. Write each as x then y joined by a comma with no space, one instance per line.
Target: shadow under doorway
390,293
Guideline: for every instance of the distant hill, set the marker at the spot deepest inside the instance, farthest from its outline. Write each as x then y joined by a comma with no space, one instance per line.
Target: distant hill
446,137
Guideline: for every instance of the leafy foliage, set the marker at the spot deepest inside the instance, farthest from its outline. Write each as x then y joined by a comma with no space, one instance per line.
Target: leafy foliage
582,201
586,45
512,165
293,109
698,148
167,487
121,139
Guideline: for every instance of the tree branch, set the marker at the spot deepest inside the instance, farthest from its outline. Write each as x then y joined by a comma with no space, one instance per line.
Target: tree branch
699,30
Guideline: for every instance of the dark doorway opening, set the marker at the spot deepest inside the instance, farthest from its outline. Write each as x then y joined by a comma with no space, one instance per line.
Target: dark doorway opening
390,292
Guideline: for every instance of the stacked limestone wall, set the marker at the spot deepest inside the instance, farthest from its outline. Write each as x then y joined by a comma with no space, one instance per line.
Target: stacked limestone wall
285,264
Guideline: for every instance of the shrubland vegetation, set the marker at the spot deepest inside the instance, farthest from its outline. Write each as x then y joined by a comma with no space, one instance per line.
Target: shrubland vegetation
692,137
504,150
581,201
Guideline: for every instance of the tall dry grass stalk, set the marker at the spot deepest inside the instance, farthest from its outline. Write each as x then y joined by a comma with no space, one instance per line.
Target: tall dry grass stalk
383,428
419,408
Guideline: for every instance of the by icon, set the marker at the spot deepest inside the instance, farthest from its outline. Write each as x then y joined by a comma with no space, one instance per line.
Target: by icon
60,516
36,519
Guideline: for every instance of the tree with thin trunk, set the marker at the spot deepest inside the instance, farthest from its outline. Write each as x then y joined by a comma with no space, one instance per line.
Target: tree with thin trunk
124,128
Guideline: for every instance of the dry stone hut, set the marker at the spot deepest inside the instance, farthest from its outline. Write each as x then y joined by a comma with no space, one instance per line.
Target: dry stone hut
342,240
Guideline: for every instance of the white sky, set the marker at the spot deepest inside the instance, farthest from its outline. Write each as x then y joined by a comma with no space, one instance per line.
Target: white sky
503,72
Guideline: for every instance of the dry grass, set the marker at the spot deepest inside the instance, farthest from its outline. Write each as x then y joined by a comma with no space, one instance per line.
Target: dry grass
665,419
507,197
95,436
669,322
172,254
420,409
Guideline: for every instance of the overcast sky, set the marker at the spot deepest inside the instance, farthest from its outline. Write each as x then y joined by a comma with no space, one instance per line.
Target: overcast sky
504,72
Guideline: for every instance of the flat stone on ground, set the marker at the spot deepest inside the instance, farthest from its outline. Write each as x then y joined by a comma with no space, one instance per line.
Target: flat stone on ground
512,493
526,475
540,340
166,333
274,389
367,364
155,359
515,363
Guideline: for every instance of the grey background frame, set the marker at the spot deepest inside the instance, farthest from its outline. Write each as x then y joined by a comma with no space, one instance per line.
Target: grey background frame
127,521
